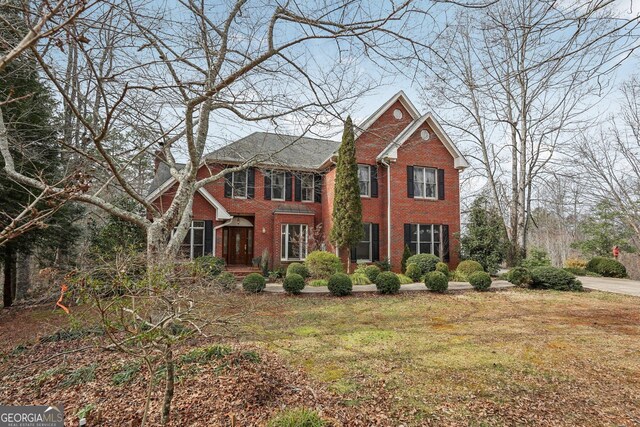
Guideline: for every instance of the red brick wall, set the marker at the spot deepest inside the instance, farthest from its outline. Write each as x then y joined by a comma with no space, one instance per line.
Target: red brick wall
414,151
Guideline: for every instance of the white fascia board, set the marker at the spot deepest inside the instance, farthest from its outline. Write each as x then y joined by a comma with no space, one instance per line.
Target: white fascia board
404,100
221,212
160,190
391,151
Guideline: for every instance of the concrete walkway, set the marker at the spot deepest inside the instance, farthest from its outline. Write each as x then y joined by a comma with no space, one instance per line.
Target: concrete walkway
453,286
616,286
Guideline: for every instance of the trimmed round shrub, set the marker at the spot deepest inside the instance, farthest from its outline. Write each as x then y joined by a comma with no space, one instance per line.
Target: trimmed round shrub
372,272
442,268
297,417
226,281
575,263
387,283
254,283
436,281
413,272
468,267
298,268
480,280
426,263
323,264
340,285
519,276
293,283
607,267
554,278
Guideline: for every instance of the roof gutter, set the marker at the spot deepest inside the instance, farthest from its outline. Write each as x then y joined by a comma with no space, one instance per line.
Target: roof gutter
387,163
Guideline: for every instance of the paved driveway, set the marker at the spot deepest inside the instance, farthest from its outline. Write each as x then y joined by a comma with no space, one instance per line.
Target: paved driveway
617,286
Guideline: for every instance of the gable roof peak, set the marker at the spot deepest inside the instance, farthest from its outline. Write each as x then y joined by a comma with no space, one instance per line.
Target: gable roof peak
399,96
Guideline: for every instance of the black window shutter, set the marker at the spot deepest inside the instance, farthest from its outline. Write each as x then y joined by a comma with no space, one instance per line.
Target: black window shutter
287,186
317,188
374,180
267,185
440,184
445,243
375,242
298,187
227,184
407,235
251,183
410,181
353,254
208,237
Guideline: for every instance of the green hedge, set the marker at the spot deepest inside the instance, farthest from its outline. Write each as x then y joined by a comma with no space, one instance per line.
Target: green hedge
293,283
519,276
372,272
468,267
607,267
436,281
426,263
340,285
323,264
480,280
414,272
554,278
387,283
254,283
298,268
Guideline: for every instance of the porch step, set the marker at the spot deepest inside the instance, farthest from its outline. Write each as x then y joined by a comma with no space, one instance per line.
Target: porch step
242,271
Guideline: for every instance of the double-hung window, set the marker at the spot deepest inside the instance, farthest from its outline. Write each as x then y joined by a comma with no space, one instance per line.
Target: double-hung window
425,239
278,179
424,183
239,182
193,243
307,187
363,248
294,242
364,179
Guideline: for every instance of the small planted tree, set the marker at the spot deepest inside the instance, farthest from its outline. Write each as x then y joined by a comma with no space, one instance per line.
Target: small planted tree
484,240
347,206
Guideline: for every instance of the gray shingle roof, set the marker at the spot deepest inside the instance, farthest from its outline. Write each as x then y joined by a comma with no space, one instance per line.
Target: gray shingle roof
161,176
277,150
293,209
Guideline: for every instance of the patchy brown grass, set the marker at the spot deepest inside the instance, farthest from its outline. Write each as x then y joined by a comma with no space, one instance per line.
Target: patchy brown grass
501,358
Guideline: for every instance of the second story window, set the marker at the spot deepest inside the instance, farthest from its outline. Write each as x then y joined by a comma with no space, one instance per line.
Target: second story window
239,183
307,184
364,178
278,180
424,183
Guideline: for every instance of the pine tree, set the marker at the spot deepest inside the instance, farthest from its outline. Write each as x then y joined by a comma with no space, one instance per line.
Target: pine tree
484,239
347,207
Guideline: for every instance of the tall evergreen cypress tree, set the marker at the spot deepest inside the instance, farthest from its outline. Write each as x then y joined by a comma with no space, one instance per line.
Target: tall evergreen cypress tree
347,206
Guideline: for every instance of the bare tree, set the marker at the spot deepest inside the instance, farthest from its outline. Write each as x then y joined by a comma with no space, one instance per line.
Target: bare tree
608,159
172,79
516,82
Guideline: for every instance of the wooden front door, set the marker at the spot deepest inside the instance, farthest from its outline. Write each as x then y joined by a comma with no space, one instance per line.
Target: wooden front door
240,246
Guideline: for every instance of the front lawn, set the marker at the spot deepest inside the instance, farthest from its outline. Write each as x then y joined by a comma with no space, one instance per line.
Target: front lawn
500,358
512,357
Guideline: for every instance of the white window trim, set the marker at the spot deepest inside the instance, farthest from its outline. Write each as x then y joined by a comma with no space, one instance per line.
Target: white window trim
433,243
246,184
284,228
368,181
191,229
370,245
284,185
424,182
313,188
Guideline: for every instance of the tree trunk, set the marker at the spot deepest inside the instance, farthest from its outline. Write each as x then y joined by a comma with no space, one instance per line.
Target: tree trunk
23,275
7,295
168,391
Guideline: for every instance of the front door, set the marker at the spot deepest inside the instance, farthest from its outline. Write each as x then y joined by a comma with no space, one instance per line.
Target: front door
240,246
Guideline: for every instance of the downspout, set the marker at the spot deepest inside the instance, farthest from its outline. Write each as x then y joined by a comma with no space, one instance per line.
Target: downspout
388,165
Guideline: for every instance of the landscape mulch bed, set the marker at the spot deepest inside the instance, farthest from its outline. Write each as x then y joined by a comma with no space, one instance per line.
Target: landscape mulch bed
230,391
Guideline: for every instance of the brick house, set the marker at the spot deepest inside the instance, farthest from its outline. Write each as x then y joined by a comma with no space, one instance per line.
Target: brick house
409,184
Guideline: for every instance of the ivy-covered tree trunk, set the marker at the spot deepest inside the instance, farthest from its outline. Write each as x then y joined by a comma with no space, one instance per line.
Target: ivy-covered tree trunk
347,206
9,278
